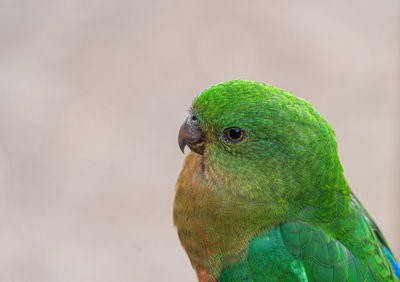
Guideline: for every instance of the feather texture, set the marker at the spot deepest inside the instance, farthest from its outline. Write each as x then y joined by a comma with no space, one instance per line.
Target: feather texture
274,206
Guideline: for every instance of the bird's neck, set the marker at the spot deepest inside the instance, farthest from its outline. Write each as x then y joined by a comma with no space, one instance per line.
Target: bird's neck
215,221
213,225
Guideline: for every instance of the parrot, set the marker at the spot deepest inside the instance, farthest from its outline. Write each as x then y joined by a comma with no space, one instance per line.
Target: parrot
262,195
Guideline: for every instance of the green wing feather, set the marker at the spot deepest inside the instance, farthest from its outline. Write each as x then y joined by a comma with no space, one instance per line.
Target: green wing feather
298,251
356,203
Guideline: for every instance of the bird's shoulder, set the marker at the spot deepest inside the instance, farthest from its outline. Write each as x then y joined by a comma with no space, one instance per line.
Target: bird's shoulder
297,251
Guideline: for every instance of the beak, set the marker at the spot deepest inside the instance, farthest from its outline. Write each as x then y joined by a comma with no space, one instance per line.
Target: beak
190,134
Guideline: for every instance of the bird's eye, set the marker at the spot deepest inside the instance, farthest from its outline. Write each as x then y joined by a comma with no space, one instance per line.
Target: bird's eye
235,134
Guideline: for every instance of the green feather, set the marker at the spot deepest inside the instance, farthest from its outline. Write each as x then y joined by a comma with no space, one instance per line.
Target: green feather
276,206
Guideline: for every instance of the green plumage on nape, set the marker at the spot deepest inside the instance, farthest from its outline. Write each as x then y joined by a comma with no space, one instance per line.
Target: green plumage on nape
262,196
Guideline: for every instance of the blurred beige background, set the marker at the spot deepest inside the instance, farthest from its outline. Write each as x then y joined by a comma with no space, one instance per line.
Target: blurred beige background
92,94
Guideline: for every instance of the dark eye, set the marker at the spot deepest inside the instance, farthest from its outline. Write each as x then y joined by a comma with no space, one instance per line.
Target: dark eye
235,134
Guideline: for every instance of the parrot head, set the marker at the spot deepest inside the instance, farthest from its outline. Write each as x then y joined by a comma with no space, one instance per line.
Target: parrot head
264,146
